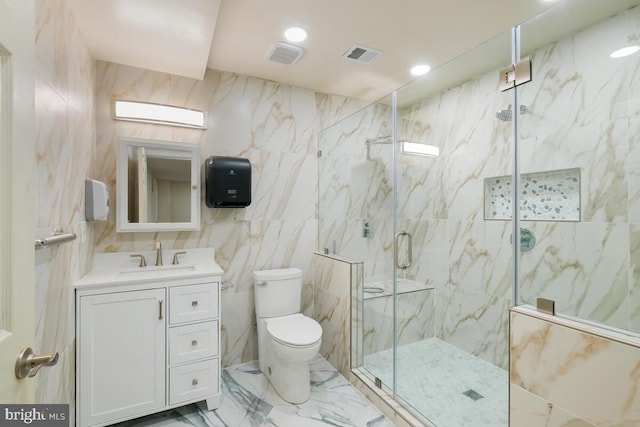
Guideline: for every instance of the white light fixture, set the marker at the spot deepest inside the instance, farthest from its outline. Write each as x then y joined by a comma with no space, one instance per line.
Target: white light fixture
625,51
420,70
159,114
295,34
419,149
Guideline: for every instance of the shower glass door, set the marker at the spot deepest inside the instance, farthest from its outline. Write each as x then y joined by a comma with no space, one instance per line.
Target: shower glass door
454,272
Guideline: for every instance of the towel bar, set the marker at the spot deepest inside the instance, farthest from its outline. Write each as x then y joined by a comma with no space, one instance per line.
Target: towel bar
54,240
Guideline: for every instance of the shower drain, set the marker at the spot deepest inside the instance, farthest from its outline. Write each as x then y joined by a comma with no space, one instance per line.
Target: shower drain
473,395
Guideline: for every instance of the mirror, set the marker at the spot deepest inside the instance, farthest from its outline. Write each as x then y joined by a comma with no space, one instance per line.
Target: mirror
158,186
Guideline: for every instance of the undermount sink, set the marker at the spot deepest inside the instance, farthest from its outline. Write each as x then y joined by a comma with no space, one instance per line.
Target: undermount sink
111,268
158,270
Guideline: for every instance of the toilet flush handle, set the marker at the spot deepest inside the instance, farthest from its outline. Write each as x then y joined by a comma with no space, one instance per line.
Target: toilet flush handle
263,283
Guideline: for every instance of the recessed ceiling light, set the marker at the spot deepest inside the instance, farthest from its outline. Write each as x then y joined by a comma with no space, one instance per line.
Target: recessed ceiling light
420,70
625,51
295,34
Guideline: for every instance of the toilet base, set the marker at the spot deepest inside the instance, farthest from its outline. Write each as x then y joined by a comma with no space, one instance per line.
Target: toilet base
292,381
286,368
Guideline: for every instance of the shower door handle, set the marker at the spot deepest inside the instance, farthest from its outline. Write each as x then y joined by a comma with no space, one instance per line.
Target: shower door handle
396,242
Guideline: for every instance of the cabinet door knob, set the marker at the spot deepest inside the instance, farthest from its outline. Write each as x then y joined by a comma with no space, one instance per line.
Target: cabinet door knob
160,310
194,342
194,381
194,303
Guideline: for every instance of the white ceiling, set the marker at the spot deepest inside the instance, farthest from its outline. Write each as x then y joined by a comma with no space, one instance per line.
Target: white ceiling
162,35
187,36
406,31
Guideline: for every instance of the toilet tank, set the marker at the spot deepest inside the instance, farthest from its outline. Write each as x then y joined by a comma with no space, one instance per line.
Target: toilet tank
277,291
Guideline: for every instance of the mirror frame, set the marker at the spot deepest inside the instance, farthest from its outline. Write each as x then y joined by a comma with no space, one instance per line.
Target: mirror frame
182,151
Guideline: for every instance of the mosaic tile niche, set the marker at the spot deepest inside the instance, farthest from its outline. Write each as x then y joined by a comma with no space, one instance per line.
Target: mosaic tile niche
546,196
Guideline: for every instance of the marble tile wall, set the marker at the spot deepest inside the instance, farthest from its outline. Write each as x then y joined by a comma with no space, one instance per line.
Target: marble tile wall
355,186
564,374
275,127
65,156
333,280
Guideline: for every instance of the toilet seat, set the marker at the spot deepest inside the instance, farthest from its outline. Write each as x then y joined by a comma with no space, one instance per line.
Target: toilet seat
295,330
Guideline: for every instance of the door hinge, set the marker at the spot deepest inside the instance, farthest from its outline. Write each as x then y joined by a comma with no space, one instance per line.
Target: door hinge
319,153
515,75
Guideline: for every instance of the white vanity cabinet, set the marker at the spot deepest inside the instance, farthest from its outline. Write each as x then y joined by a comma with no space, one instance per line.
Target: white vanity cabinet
146,347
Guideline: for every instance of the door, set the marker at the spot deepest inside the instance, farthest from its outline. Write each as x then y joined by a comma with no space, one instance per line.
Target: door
452,281
17,136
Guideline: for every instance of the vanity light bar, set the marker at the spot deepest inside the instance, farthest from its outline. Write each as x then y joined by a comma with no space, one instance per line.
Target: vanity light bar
419,149
159,114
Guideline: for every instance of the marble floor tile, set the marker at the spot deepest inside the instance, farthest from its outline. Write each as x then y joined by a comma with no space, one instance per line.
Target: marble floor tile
448,386
249,400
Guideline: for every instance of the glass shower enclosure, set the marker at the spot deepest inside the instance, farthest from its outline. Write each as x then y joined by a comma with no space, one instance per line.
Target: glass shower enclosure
397,191
420,187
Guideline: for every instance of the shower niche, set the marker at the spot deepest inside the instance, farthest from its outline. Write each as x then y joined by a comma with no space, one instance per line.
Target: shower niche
544,196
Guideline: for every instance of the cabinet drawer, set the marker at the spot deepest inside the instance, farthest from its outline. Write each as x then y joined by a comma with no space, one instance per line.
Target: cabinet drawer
193,381
193,302
193,342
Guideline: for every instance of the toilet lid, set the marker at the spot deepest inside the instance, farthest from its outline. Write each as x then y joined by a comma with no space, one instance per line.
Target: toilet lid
295,330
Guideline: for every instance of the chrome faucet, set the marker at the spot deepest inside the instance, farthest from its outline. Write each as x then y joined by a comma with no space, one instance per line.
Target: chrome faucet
158,253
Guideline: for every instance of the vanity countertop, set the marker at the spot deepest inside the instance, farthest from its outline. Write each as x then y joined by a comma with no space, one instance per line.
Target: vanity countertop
120,268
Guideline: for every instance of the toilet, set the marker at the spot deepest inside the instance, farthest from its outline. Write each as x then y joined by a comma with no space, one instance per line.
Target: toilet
287,340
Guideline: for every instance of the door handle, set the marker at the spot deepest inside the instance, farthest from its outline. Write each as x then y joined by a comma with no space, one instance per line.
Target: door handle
396,243
28,364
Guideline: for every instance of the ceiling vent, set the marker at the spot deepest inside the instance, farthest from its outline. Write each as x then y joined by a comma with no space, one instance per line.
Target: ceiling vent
362,54
285,53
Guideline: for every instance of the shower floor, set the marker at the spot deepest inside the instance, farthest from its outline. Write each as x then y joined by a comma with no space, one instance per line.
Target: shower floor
445,383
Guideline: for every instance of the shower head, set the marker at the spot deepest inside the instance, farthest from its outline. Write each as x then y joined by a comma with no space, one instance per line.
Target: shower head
505,115
379,140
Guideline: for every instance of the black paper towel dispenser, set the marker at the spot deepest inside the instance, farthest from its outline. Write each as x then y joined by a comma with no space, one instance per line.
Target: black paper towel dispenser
227,182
